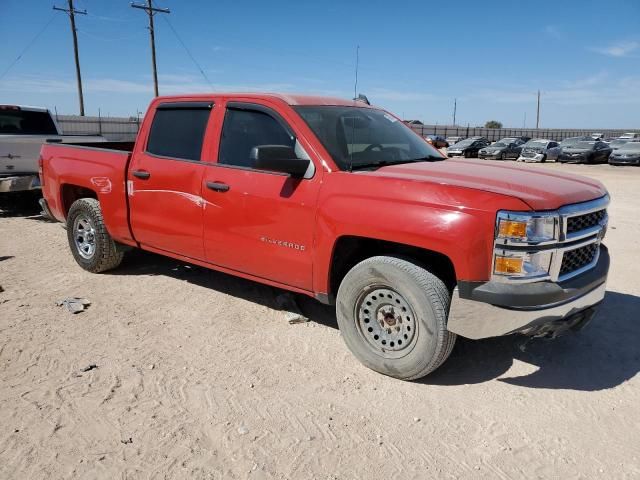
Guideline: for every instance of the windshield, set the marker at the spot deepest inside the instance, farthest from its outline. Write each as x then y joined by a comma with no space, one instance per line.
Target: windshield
358,137
500,144
536,144
584,144
464,143
630,147
570,142
25,122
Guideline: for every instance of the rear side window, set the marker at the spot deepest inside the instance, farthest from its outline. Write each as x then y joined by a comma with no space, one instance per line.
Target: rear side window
245,129
178,132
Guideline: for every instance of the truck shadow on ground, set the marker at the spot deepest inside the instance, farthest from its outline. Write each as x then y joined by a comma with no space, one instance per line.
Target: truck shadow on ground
22,204
603,355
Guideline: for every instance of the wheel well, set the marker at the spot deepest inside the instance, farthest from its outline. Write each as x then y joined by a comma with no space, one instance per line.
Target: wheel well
350,250
71,193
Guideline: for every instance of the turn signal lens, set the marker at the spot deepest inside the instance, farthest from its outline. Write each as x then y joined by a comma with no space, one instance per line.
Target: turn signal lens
512,229
508,265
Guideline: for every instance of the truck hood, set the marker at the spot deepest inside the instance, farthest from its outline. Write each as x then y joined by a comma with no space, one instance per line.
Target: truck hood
541,189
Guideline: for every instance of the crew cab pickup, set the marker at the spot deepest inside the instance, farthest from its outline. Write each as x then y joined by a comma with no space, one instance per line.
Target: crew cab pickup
23,130
343,202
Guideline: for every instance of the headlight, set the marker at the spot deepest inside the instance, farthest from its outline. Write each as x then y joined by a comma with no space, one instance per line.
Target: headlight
522,264
523,228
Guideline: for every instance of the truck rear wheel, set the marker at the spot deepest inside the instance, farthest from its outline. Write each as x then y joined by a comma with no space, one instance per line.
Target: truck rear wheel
392,315
90,243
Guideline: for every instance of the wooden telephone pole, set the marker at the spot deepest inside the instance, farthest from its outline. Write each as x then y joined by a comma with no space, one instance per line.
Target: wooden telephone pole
538,112
72,12
151,11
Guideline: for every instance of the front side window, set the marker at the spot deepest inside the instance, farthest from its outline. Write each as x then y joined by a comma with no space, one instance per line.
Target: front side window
178,132
245,129
358,137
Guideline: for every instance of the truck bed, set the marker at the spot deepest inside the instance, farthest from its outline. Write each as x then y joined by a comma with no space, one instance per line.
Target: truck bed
102,172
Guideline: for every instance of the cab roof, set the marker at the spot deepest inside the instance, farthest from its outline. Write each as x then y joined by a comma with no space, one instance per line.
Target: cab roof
288,98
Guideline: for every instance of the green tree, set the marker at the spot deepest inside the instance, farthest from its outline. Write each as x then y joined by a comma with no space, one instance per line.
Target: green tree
493,124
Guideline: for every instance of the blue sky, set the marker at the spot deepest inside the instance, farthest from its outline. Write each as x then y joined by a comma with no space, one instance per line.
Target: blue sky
415,57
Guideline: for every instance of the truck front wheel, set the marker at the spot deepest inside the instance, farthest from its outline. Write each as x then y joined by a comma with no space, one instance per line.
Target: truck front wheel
392,315
90,242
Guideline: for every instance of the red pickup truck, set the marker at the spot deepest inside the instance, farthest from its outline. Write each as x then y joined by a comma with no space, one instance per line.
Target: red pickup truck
341,201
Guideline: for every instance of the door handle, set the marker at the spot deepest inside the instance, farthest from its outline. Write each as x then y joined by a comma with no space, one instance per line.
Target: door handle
141,174
218,186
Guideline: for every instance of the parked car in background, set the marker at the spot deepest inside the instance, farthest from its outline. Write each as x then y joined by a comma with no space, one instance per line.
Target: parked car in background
597,135
509,147
585,151
437,141
627,154
568,142
618,142
453,140
23,130
630,136
539,150
467,148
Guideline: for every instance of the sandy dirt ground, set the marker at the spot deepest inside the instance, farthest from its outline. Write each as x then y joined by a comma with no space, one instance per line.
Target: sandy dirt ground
199,375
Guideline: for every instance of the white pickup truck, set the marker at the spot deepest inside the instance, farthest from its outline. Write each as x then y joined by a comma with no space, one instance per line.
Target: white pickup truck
23,130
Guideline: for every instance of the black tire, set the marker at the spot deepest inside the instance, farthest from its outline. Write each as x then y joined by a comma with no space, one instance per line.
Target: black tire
544,159
422,300
97,252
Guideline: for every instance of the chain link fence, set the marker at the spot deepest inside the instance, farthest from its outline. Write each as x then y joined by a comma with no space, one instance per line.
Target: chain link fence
122,129
114,129
494,134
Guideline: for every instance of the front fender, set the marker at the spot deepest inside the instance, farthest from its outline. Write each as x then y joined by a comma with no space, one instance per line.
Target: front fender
457,223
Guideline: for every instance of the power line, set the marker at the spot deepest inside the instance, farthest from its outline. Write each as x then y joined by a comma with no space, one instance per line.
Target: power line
29,45
151,11
188,52
72,13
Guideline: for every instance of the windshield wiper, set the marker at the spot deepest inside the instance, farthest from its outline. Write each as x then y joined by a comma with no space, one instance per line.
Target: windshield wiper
386,163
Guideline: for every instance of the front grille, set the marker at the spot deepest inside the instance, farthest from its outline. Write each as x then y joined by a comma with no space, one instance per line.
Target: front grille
573,260
528,153
583,222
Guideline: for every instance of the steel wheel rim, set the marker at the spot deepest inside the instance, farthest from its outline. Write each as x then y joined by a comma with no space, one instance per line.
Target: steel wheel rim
84,236
386,321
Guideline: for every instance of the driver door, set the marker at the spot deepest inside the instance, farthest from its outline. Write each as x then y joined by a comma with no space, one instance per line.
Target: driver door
258,222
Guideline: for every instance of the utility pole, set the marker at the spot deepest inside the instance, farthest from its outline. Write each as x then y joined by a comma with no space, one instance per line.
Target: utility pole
455,105
355,84
151,11
71,12
538,112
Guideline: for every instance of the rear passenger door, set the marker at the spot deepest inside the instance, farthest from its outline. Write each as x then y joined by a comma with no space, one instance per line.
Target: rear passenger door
165,180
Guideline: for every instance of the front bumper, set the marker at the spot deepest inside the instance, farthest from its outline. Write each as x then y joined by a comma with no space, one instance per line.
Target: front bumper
624,160
483,310
19,183
535,158
573,159
492,155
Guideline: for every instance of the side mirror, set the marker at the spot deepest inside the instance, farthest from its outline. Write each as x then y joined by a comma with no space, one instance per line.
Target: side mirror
278,158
